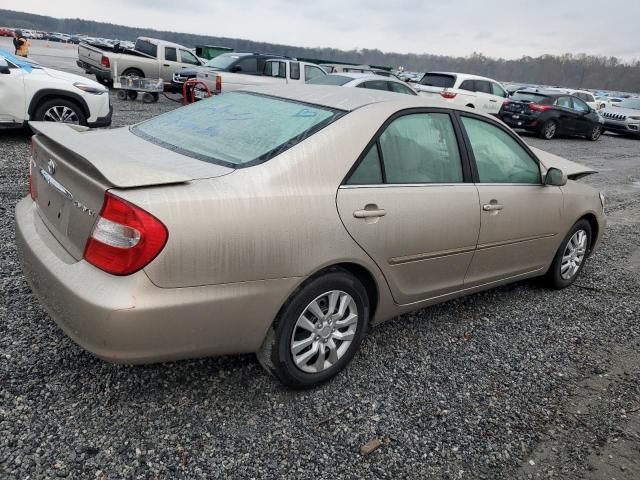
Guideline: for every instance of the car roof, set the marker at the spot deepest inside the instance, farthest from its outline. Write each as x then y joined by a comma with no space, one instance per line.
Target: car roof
466,76
362,75
349,99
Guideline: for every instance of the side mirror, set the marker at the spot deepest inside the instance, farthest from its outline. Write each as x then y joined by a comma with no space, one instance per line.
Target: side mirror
555,178
4,66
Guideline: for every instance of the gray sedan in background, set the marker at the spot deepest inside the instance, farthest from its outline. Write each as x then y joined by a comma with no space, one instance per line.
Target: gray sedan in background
364,80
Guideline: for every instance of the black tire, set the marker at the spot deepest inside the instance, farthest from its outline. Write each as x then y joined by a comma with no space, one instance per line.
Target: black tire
148,97
548,130
132,94
133,72
40,114
595,133
275,353
554,278
121,94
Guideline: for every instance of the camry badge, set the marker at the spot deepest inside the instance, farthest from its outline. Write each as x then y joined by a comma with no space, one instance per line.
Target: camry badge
51,167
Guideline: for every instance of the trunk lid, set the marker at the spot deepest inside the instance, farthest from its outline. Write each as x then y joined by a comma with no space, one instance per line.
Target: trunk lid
74,167
89,54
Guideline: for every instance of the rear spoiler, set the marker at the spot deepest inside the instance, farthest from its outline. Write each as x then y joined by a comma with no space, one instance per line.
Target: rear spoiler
122,171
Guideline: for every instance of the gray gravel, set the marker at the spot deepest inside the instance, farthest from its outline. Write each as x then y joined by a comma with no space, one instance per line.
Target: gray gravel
517,382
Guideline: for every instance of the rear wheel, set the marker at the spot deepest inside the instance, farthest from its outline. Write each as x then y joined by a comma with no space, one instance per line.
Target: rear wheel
60,110
571,256
318,330
133,72
596,133
549,130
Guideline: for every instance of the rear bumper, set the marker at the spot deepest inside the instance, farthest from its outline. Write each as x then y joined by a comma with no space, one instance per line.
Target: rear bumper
129,319
101,73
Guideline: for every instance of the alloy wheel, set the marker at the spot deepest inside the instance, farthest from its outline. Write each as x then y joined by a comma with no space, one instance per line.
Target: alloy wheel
62,114
596,133
550,130
324,331
573,255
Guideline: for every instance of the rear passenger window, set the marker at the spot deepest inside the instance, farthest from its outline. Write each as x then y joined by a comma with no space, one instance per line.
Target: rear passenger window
399,88
295,70
483,86
369,171
170,54
421,148
468,85
499,158
564,102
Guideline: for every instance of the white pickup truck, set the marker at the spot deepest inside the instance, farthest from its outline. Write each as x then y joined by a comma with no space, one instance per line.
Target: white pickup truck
275,71
472,91
150,58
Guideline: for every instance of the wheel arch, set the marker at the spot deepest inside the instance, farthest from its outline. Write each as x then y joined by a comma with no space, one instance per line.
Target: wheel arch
51,93
595,227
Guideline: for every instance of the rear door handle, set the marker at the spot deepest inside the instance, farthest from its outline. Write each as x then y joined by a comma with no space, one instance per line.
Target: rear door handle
492,207
370,213
494,101
166,65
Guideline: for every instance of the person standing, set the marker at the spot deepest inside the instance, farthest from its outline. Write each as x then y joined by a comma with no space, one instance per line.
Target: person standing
21,44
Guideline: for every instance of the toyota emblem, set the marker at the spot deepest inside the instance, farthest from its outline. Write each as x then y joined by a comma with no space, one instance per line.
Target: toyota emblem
51,167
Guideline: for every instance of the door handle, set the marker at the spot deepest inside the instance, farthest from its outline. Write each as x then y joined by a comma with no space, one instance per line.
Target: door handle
166,65
492,207
494,101
370,213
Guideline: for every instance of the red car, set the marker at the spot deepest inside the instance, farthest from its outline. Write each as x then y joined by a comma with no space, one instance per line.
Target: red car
6,32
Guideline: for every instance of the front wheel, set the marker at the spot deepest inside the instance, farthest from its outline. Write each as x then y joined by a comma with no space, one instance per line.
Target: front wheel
595,133
60,110
571,256
318,330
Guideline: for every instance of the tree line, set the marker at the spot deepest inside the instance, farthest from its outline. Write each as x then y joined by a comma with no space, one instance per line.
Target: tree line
568,70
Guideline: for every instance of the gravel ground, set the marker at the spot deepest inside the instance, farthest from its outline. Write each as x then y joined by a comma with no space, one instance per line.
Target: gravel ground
516,382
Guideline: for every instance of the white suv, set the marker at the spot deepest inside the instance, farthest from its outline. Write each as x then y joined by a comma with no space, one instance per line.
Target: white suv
471,91
29,91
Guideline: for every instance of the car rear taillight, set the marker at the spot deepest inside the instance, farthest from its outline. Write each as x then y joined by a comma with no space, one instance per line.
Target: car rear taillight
536,107
218,84
32,165
125,238
505,103
448,95
104,61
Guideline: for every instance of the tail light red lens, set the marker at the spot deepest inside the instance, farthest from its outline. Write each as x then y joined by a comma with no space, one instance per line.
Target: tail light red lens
218,84
104,61
448,95
536,107
125,238
505,103
32,165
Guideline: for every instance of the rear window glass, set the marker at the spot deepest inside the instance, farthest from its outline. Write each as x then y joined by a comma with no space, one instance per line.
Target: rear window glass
528,97
333,79
438,80
236,129
147,47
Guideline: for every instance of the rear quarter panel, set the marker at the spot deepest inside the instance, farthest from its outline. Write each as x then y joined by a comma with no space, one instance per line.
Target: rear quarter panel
274,220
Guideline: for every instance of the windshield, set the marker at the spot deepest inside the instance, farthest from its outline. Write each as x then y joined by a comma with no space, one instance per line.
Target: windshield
236,129
338,80
438,80
222,62
632,103
528,97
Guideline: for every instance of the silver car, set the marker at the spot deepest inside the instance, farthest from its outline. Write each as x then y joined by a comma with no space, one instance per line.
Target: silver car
623,118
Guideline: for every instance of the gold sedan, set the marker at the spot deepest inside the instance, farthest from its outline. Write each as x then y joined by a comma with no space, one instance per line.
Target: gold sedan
286,221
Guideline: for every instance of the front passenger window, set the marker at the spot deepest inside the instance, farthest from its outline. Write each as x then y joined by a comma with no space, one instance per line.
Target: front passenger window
499,157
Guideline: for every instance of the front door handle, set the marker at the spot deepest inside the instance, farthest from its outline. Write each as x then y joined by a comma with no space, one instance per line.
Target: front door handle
494,101
370,213
166,65
492,207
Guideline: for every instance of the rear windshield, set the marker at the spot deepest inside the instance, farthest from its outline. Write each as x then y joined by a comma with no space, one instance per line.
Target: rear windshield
236,129
147,47
338,80
438,80
528,97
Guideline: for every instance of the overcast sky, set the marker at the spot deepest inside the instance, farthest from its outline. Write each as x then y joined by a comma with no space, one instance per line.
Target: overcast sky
497,28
